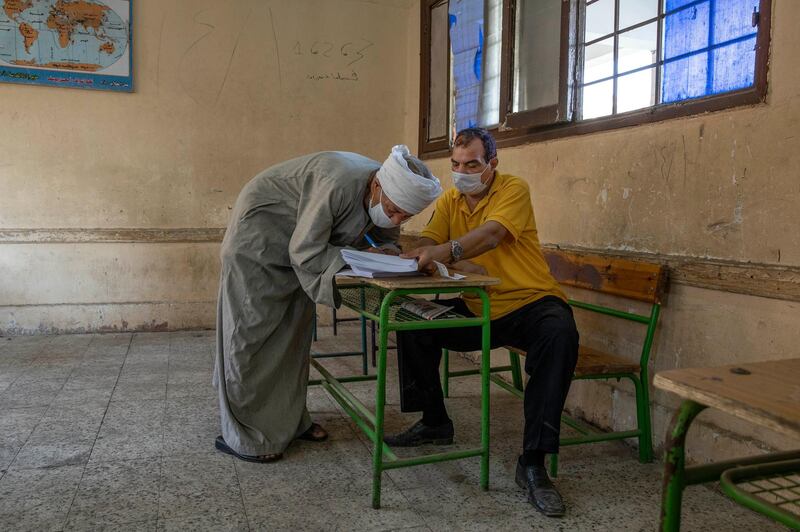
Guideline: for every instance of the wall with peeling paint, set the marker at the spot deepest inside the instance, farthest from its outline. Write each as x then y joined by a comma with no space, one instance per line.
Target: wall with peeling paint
721,185
223,90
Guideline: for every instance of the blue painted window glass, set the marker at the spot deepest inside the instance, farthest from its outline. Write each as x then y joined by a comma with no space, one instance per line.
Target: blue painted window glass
466,41
709,48
675,4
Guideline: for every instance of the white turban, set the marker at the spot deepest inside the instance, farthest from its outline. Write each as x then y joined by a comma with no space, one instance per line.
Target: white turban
404,186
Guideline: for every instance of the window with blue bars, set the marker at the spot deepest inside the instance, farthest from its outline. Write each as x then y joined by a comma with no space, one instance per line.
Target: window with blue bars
641,53
709,47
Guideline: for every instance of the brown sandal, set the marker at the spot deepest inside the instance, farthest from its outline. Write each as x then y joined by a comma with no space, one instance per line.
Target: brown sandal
313,433
261,459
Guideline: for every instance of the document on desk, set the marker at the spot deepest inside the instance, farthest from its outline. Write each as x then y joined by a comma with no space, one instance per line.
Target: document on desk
442,269
374,265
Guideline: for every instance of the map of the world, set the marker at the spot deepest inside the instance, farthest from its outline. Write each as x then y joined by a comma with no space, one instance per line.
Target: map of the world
75,37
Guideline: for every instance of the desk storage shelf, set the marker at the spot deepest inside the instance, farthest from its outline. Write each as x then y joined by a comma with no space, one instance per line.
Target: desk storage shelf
772,489
369,298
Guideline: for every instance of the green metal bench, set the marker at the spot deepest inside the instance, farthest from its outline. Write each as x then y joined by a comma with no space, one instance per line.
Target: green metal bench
640,281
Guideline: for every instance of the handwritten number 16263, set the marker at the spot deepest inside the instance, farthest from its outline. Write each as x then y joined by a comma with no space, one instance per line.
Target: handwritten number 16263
351,50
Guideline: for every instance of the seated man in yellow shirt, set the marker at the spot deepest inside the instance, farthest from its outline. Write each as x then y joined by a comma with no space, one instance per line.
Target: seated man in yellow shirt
488,218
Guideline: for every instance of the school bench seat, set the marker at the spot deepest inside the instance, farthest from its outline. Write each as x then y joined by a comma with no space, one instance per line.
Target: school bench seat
625,279
594,362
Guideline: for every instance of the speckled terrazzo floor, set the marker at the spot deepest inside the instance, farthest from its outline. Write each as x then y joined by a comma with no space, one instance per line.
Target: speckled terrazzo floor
116,432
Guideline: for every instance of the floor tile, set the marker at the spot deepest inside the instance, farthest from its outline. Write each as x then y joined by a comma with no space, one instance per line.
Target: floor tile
202,391
199,523
311,472
37,499
72,395
43,370
100,370
191,425
28,394
191,362
109,344
199,484
131,430
64,436
130,390
135,526
139,370
65,452
303,516
115,493
350,515
16,426
199,377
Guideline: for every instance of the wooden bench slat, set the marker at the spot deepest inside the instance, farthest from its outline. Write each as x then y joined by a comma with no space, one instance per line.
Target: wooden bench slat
595,362
642,281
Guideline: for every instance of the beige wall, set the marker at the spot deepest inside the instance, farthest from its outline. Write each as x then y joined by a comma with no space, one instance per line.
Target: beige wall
222,91
723,185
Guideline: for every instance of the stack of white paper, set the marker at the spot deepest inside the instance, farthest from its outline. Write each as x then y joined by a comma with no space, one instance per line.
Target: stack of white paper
363,264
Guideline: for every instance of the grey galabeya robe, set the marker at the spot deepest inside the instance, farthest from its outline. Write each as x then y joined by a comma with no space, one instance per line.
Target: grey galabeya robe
279,257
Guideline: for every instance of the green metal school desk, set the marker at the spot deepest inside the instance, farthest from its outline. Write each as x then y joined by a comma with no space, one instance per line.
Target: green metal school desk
379,300
764,393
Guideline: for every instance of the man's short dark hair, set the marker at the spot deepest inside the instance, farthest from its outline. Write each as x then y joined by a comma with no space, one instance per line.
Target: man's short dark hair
465,136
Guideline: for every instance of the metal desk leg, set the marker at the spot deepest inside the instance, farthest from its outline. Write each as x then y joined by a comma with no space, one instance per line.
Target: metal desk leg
485,374
380,403
675,465
363,320
373,346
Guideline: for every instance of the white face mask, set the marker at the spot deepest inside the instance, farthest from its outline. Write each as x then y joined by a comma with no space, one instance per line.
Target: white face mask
469,183
378,215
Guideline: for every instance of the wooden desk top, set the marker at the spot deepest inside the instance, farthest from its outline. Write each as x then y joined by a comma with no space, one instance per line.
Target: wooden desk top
423,281
765,393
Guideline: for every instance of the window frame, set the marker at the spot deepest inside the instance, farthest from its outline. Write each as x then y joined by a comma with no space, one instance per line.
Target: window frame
514,129
437,144
547,116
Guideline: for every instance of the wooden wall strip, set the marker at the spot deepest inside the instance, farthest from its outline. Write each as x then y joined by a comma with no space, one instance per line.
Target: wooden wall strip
764,280
123,235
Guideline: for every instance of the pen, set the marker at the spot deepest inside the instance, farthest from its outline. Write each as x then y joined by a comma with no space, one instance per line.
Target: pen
371,242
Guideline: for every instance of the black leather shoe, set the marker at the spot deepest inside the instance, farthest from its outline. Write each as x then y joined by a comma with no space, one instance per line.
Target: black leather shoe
420,434
542,494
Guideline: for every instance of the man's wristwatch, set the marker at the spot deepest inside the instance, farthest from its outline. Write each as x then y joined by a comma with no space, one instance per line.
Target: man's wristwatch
456,250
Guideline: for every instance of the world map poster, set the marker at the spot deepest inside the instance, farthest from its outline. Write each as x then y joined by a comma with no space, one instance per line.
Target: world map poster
67,43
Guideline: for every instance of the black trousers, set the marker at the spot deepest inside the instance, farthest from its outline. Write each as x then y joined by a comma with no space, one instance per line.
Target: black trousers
545,329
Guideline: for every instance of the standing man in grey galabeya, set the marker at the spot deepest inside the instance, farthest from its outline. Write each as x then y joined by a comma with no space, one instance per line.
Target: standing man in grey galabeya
279,257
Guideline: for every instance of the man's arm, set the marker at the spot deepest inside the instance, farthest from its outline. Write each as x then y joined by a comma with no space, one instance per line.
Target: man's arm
477,242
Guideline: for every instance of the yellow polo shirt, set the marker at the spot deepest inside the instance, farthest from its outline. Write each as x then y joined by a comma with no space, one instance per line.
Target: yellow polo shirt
518,261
